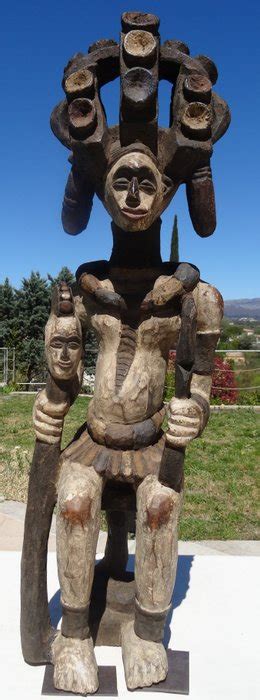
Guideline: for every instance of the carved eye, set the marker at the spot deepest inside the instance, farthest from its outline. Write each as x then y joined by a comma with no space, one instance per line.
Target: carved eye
121,183
56,344
73,345
147,186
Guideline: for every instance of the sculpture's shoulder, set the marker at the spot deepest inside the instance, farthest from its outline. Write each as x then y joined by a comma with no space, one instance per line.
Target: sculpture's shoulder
97,268
210,307
96,277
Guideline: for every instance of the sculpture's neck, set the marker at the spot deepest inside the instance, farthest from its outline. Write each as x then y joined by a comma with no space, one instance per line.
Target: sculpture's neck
136,249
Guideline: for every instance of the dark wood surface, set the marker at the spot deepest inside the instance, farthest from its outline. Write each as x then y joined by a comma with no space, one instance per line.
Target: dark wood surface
36,631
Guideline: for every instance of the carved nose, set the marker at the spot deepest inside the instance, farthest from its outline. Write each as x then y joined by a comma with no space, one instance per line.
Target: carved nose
133,198
64,353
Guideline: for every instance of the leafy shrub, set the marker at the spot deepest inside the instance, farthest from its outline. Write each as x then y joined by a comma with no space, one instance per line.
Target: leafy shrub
249,398
223,377
8,388
169,386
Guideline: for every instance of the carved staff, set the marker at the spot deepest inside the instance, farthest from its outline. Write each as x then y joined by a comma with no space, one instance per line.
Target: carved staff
36,631
171,469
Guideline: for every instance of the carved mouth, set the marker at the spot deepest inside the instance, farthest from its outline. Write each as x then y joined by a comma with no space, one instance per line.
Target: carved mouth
64,365
135,213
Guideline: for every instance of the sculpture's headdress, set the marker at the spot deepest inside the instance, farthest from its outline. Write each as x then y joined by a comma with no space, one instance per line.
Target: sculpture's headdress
198,118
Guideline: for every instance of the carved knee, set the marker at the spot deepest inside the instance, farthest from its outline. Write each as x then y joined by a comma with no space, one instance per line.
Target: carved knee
79,494
157,504
77,509
159,510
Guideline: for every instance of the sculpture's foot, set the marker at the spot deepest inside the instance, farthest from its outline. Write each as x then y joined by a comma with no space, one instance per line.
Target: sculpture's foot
75,666
145,662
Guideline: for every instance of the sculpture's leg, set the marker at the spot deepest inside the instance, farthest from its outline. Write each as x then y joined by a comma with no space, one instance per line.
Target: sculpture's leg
78,519
144,656
116,552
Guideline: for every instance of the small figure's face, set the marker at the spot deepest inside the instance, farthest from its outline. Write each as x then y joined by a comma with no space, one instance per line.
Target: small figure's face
63,348
135,192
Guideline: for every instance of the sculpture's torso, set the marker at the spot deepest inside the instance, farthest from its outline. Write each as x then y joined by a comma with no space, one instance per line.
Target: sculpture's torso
134,347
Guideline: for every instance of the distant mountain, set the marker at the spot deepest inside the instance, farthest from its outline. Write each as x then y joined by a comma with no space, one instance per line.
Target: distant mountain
242,308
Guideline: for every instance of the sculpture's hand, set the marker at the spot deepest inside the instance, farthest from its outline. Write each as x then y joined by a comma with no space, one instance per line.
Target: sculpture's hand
185,422
48,418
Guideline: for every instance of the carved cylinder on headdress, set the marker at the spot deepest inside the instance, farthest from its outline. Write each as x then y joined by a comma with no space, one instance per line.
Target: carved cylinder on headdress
79,84
82,117
196,121
197,87
139,55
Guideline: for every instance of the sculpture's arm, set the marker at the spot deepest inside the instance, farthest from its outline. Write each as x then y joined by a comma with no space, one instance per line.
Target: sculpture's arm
64,354
189,416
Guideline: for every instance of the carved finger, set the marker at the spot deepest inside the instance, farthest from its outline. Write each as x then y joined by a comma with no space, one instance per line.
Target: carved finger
172,287
47,429
179,404
187,408
89,283
183,420
178,441
55,410
185,426
106,297
184,430
44,418
49,439
147,303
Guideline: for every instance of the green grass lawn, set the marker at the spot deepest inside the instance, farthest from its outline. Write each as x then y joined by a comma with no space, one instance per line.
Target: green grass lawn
222,467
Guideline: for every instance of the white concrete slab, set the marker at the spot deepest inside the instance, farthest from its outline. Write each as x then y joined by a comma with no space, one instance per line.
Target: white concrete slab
215,617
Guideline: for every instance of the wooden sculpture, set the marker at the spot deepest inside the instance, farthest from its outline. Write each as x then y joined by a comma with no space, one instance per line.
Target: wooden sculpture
139,308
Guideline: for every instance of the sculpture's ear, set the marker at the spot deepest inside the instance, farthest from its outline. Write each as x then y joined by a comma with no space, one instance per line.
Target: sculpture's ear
167,186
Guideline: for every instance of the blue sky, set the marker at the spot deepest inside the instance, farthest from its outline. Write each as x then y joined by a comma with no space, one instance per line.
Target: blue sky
37,39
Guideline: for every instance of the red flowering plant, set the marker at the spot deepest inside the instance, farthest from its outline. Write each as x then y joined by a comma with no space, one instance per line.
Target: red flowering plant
223,382
171,361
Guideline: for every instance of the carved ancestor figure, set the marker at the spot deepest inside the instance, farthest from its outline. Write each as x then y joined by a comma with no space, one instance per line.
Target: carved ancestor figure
139,308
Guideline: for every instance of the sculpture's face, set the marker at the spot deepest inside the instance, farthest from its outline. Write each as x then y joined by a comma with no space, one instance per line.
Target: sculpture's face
63,347
135,192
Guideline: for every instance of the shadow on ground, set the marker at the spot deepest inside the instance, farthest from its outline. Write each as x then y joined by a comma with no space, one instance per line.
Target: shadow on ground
180,591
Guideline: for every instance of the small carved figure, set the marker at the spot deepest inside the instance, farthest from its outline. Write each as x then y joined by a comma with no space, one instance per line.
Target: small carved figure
139,308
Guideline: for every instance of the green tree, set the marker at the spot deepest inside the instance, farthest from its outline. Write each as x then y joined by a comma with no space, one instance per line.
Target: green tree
32,309
8,324
65,275
246,341
174,253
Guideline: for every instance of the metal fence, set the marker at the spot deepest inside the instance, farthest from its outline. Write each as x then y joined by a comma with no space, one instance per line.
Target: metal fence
243,364
7,365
